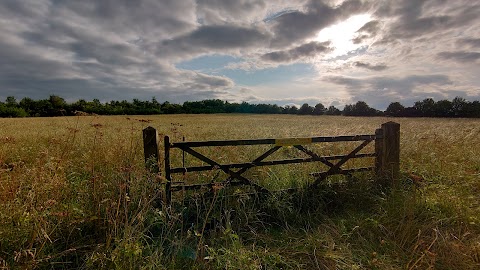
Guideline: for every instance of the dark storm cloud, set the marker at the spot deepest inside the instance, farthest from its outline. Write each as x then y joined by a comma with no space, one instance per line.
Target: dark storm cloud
218,37
294,27
18,64
310,49
378,67
460,56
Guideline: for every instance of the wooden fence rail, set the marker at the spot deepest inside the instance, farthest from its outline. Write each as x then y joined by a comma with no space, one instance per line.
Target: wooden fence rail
386,167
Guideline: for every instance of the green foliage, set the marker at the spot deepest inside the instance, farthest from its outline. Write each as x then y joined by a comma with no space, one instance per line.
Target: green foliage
305,109
57,106
360,108
9,111
395,109
319,109
332,110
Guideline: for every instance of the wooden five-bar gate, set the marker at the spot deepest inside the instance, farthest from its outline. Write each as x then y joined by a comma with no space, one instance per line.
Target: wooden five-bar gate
386,167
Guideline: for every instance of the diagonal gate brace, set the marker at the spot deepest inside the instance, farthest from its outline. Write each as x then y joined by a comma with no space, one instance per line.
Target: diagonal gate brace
232,174
336,168
314,155
252,164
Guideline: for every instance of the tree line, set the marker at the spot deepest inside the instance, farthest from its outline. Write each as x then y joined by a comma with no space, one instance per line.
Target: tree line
57,106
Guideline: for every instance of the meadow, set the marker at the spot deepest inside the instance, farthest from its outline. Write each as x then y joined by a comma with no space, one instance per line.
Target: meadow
74,193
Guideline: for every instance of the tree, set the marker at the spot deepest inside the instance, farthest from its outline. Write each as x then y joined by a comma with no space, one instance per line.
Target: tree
29,105
57,102
425,107
472,109
395,109
58,106
319,109
55,105
348,110
9,111
290,109
170,108
305,109
11,101
458,106
360,108
443,108
332,110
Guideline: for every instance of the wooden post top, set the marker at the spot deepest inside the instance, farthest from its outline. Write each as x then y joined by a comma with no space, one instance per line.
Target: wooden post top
391,123
149,128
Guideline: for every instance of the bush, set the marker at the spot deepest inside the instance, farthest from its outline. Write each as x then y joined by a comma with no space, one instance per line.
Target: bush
6,111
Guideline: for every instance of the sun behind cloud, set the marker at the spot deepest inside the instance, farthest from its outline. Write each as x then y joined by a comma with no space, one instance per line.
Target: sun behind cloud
341,35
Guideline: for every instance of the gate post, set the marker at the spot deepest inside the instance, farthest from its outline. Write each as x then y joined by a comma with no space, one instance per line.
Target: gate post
168,176
150,149
387,148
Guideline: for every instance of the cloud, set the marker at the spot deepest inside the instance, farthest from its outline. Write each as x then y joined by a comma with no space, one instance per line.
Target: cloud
371,27
149,19
119,49
423,18
403,85
310,49
460,56
280,31
367,31
213,82
378,67
378,91
469,42
294,27
219,38
214,12
101,49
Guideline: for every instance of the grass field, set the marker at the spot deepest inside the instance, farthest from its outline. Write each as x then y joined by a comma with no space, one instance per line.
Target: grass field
74,193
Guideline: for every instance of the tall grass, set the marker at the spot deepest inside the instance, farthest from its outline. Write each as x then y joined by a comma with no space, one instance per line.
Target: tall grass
74,193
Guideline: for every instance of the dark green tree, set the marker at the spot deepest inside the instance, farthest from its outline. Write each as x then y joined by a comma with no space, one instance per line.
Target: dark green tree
395,109
425,107
319,109
443,108
29,105
290,109
11,101
459,106
332,110
360,108
305,109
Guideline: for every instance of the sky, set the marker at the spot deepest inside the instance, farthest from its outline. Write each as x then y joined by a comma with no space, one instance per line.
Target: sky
285,52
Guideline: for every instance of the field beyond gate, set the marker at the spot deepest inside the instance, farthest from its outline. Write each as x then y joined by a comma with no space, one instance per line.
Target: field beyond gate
386,154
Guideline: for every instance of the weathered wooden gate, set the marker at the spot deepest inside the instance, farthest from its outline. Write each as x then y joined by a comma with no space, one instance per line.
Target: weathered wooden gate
386,167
